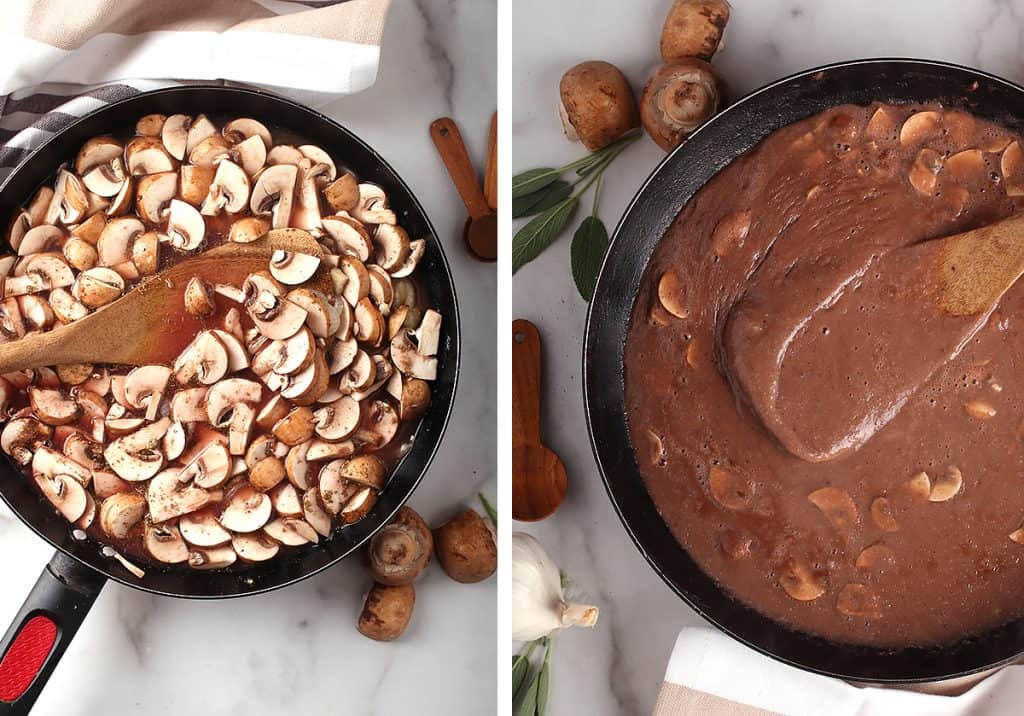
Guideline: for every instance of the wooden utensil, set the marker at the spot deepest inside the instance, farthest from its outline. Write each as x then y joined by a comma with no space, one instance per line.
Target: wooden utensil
491,172
480,232
149,324
538,475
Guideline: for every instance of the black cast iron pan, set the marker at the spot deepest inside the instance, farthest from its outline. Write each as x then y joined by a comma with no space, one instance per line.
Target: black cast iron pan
729,134
70,583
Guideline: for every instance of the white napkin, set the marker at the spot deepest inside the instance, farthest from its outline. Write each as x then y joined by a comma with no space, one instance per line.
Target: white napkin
711,674
61,59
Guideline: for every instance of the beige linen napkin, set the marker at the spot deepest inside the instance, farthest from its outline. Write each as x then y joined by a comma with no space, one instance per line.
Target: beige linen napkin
711,674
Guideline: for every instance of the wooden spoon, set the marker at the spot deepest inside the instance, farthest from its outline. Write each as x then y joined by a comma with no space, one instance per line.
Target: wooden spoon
140,327
888,328
538,475
480,232
491,172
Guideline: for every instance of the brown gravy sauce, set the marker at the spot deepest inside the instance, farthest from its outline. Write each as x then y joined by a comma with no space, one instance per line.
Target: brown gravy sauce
770,306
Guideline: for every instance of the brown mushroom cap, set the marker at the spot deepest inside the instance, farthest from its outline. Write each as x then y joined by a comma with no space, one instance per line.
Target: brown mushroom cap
387,611
679,96
693,28
597,104
465,548
399,553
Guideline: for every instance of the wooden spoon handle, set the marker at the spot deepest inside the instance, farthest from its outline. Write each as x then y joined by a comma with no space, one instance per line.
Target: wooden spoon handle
491,173
525,383
449,145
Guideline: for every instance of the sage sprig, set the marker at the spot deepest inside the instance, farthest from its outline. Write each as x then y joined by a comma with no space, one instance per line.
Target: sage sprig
530,688
552,200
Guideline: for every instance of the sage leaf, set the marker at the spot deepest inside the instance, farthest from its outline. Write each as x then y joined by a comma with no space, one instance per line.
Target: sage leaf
538,234
520,670
544,683
588,246
541,200
526,705
533,180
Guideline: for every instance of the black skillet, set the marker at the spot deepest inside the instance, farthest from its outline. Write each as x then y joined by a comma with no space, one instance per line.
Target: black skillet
71,582
729,134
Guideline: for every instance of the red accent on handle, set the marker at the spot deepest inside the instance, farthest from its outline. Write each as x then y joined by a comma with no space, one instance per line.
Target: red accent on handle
26,656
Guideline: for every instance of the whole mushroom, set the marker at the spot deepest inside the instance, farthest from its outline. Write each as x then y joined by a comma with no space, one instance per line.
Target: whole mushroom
693,28
465,548
596,105
677,99
387,611
399,553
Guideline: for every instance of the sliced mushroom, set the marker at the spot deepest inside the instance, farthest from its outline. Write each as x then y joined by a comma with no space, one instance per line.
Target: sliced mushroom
291,531
381,288
224,402
306,214
247,510
144,388
255,547
414,400
229,190
357,280
947,485
392,244
284,154
799,581
65,493
428,335
274,409
249,229
203,530
168,497
120,512
372,206
837,506
251,154
350,237
858,600
275,317
98,286
186,228
69,202
52,406
199,131
188,405
122,201
204,358
153,194
199,298
337,420
243,128
359,505
923,175
146,253
407,358
174,440
359,375
729,489
115,241
210,151
306,386
97,152
318,449
293,268
369,323
45,237
195,183
147,155
378,426
416,251
164,543
343,193
21,437
920,126
341,355
875,555
212,557
272,194
209,469
919,486
881,513
365,470
137,456
49,462
322,317
285,499
315,515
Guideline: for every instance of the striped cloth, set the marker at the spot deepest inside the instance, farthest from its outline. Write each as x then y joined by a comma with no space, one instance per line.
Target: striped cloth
61,59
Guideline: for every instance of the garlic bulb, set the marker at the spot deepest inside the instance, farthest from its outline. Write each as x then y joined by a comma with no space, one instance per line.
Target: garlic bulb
538,602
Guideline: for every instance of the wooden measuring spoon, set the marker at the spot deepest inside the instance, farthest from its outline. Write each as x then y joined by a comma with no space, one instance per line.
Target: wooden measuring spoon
538,475
480,232
137,328
491,172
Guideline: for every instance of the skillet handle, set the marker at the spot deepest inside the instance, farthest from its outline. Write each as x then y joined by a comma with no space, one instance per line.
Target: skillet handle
43,629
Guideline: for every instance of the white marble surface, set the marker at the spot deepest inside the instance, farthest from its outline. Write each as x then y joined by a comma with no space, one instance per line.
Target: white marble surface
617,669
297,650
